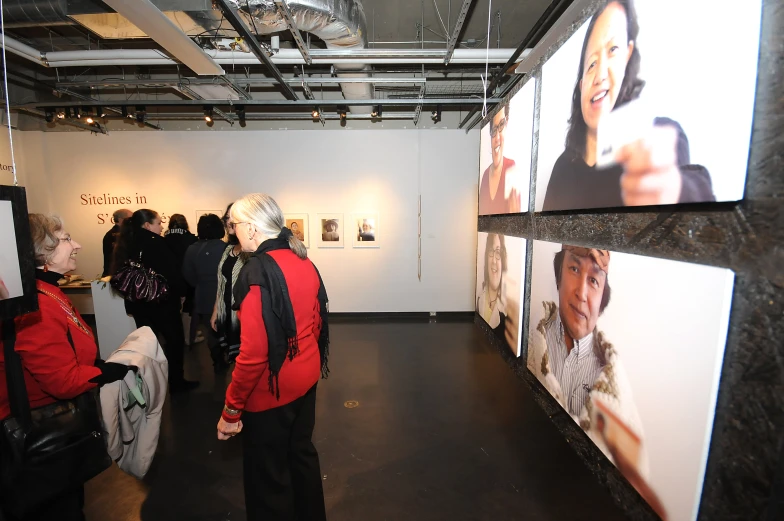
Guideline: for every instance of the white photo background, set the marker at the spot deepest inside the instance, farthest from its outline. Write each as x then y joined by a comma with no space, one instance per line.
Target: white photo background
683,47
10,276
513,280
668,321
518,141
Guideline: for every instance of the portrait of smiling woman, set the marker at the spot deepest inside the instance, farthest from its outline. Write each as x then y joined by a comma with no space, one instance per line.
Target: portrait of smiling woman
653,170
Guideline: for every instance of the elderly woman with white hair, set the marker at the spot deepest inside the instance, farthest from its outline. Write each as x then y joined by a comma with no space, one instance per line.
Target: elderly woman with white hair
284,345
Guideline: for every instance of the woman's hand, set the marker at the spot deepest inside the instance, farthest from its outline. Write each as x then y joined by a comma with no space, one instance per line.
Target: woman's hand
4,294
226,430
651,175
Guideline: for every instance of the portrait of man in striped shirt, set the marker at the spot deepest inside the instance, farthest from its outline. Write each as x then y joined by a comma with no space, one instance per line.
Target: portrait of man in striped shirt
572,357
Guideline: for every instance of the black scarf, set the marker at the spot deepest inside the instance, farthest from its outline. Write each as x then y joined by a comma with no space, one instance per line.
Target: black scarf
279,323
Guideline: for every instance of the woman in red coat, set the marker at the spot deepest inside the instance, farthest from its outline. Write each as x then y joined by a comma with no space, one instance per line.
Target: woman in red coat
54,369
284,344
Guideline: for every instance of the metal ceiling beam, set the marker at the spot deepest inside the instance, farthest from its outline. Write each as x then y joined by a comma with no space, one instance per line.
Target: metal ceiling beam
236,22
69,122
406,102
450,46
244,81
285,12
540,28
144,15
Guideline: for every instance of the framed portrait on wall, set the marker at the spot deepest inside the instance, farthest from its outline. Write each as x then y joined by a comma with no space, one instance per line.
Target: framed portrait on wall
365,230
331,230
641,375
298,224
199,213
17,268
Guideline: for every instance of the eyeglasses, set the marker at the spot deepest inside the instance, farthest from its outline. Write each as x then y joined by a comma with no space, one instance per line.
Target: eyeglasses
67,238
495,254
498,128
234,224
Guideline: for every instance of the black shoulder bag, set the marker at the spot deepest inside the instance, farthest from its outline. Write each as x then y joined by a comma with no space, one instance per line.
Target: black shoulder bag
46,451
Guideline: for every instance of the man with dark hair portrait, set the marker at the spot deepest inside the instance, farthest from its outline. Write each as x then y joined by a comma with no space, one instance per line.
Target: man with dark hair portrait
493,198
573,359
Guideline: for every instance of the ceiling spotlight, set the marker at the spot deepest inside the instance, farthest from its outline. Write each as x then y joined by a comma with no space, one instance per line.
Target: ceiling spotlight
100,113
68,112
77,113
90,120
376,112
49,116
342,113
141,113
315,113
124,112
240,111
61,114
208,114
436,114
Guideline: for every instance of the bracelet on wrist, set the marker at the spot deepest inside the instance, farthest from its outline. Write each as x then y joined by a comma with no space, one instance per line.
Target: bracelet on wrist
231,412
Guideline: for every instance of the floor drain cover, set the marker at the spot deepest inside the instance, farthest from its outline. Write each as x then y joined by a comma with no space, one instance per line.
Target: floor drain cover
351,404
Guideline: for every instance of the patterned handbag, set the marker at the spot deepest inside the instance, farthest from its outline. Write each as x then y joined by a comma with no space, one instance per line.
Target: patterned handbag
137,283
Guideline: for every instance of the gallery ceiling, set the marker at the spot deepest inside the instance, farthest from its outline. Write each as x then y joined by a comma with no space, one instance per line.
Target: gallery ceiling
400,54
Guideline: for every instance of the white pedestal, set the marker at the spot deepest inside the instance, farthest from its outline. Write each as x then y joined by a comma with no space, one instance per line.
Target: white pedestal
112,323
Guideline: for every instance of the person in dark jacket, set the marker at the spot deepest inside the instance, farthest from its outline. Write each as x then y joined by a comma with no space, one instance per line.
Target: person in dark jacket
200,269
57,348
111,237
179,238
654,170
140,240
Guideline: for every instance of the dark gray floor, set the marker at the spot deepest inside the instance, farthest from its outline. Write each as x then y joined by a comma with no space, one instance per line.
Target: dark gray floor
443,431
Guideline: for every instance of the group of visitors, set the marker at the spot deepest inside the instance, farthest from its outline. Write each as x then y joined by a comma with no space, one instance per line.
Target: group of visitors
262,304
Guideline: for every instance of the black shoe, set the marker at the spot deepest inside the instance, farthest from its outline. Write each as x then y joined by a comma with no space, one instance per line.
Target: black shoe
183,385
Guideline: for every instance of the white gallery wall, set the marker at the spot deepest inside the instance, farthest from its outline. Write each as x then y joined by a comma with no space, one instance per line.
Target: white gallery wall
382,171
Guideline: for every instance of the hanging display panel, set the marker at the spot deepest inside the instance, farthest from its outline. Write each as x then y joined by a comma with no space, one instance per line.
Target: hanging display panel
632,349
638,107
505,155
500,281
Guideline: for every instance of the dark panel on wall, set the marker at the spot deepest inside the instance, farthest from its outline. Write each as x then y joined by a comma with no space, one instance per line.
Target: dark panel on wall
747,237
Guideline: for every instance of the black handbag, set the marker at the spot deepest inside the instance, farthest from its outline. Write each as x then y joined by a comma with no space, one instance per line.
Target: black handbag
46,451
137,283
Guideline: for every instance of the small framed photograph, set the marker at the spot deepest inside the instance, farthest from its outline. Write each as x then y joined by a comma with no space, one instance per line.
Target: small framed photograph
364,229
298,224
17,265
331,230
199,213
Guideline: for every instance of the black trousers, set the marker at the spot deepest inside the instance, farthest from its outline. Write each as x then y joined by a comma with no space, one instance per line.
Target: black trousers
66,507
280,463
167,325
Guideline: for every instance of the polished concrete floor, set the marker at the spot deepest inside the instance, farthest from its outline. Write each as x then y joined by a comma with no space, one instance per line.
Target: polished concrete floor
443,431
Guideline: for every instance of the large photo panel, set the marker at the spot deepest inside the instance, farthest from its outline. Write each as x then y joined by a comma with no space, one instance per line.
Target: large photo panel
500,285
505,155
632,348
632,113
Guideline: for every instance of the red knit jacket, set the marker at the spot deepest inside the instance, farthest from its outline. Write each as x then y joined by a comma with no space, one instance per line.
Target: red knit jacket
249,388
53,370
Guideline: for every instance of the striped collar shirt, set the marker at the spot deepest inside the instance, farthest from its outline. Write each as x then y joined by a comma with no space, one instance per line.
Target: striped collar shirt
575,370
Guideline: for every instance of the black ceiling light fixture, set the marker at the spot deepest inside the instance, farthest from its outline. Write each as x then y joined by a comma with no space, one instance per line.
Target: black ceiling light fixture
239,110
208,115
68,112
342,113
315,113
61,114
141,113
124,111
49,116
377,112
77,113
436,115
88,117
100,112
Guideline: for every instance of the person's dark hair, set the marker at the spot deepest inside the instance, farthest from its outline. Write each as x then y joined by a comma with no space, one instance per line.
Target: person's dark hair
178,222
631,86
488,249
128,231
230,237
558,267
210,227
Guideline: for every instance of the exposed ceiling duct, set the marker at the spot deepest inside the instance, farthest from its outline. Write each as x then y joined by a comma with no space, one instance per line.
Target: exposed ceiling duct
339,23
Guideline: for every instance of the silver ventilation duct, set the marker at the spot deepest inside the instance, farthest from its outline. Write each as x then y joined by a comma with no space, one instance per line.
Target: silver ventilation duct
25,13
339,23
